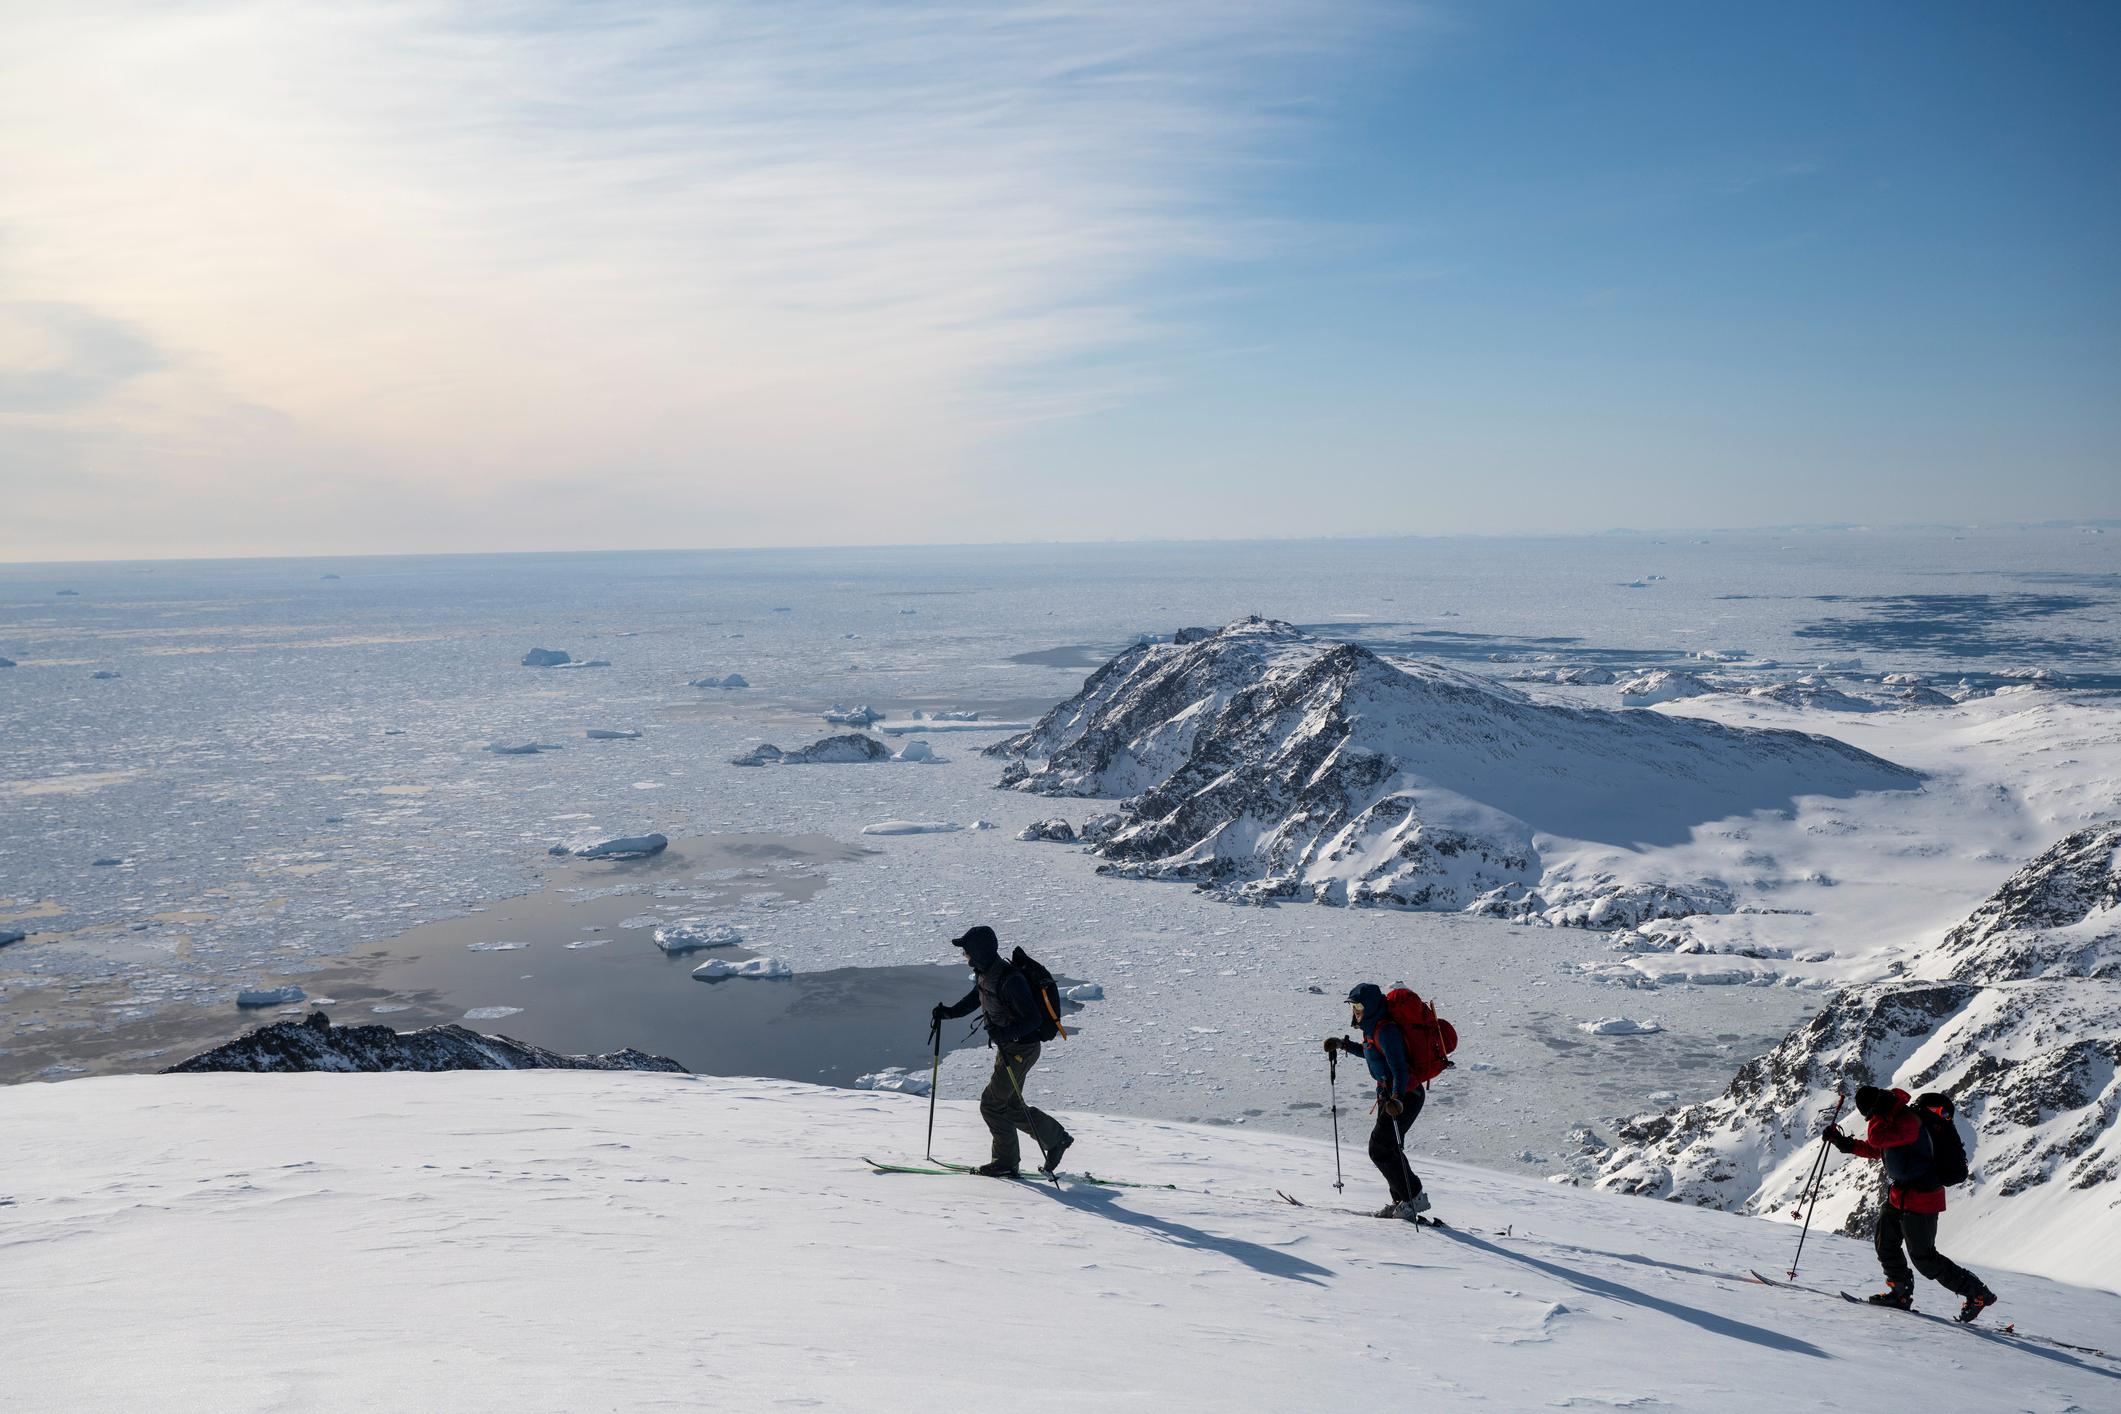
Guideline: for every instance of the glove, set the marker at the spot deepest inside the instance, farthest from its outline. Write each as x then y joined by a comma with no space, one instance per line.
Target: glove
1840,1141
1392,1105
939,1015
1333,1043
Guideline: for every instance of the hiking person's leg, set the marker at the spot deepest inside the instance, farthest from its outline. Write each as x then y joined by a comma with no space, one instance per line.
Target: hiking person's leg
1887,1239
1920,1230
1412,1102
999,1104
1384,1152
1044,1129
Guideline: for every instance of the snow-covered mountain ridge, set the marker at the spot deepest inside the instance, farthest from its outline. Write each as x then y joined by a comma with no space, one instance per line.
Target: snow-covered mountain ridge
313,1043
1264,763
564,1241
2016,1012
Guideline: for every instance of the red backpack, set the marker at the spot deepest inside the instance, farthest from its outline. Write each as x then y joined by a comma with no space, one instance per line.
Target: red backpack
1428,1038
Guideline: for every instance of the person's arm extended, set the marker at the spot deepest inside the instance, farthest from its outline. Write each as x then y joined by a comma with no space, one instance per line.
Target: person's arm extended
969,1003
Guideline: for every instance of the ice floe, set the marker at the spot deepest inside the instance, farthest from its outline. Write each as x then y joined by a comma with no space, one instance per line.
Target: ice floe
891,1077
491,1013
1618,1026
715,969
693,934
622,847
612,734
914,827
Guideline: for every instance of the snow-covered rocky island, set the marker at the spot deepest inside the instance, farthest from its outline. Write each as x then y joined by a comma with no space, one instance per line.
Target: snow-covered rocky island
1263,763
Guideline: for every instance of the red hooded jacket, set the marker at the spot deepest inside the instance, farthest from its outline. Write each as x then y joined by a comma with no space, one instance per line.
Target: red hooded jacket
1898,1126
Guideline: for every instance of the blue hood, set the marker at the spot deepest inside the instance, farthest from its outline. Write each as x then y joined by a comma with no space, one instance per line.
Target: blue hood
1372,998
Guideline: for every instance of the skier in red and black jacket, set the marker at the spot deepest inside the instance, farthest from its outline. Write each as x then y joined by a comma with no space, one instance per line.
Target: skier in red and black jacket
1399,1098
1914,1200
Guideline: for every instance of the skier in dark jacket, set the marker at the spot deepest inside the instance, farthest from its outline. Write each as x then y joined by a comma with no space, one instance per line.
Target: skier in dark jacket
1009,1007
1914,1200
1399,1099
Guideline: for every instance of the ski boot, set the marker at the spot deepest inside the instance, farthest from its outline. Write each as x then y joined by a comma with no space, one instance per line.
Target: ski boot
1899,1297
1412,1209
997,1169
1389,1210
1977,1301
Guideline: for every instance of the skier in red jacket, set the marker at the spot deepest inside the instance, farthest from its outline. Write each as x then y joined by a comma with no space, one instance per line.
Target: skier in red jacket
1914,1200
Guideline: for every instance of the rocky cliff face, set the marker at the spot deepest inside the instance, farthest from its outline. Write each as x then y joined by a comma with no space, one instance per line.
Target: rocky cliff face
1264,764
2016,1013
315,1044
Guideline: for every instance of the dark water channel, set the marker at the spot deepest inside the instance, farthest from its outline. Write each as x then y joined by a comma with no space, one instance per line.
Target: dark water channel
583,981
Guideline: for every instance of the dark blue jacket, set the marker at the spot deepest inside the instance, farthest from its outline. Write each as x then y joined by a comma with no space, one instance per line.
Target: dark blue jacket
1382,1046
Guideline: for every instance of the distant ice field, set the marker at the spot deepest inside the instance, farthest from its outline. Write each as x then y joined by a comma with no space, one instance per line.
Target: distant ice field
289,766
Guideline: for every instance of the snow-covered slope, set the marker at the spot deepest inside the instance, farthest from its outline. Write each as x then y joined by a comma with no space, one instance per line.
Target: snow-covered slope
2016,1012
573,1241
313,1043
1270,764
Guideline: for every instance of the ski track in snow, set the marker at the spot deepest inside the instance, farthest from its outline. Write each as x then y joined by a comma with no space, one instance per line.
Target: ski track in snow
518,1242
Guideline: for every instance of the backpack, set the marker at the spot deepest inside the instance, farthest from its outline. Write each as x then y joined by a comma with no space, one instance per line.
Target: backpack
1427,1037
1046,990
1948,1164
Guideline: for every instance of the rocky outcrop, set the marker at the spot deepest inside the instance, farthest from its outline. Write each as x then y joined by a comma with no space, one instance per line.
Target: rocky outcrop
1263,763
849,746
315,1044
2016,1012
1053,831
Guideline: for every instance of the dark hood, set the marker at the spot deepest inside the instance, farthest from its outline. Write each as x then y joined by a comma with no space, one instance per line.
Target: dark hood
1372,998
982,948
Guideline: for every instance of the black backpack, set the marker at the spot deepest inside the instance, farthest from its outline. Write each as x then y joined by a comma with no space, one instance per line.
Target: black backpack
1947,1149
1046,989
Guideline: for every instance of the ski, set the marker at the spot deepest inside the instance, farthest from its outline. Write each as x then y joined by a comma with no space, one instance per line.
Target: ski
1419,1221
945,1168
2007,1331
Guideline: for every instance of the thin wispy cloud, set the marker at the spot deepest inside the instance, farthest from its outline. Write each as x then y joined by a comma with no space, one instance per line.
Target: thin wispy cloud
413,272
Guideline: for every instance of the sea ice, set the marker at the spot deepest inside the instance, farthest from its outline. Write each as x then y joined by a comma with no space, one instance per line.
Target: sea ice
490,1013
519,748
912,827
592,663
612,734
269,996
1085,992
495,947
692,934
715,969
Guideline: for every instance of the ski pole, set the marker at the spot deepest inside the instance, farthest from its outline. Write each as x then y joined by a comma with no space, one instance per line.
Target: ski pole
1818,1175
935,1037
1333,1084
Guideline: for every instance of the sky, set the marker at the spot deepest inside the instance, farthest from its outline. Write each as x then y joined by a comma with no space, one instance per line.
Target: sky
412,275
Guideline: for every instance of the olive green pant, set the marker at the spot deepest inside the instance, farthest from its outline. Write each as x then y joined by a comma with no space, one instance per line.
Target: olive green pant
1003,1106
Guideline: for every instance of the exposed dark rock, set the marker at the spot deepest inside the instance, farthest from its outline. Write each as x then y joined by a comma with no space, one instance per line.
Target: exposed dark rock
315,1044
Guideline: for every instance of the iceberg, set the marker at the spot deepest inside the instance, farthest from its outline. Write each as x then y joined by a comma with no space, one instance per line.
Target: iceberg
912,827
11,935
916,750
546,658
1618,1026
612,734
861,716
728,683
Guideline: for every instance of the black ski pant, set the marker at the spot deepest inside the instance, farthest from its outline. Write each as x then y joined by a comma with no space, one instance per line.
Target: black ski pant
1918,1231
1003,1106
1388,1141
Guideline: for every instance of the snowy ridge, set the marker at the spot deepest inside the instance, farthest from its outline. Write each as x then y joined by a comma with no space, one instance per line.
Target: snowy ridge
519,1243
315,1044
1267,764
2016,1012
